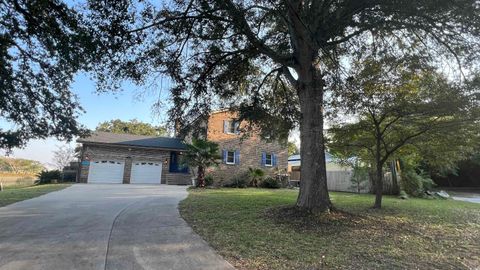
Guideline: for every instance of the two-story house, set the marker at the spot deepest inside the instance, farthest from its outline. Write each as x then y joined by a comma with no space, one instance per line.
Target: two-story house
129,159
240,152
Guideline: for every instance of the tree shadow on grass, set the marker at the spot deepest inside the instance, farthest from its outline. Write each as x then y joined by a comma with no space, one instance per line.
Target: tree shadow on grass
338,221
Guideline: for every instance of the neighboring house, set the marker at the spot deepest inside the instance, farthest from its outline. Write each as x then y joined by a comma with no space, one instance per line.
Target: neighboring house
129,159
240,152
294,163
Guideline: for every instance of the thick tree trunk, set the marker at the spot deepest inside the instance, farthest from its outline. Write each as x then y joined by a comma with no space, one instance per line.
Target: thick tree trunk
201,176
313,194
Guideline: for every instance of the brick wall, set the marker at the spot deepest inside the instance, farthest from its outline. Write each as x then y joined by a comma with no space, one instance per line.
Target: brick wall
129,154
250,147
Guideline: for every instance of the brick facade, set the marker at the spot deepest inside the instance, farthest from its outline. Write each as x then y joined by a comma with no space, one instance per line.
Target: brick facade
250,148
92,152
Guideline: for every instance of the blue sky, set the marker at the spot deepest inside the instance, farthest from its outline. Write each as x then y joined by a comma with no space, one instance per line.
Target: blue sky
125,105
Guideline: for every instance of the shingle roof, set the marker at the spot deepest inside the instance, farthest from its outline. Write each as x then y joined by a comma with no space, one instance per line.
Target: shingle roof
133,140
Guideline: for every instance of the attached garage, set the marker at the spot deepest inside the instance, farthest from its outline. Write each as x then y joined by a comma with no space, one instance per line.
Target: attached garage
131,159
106,171
146,172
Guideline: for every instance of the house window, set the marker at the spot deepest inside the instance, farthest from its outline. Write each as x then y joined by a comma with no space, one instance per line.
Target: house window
268,160
230,157
176,165
230,127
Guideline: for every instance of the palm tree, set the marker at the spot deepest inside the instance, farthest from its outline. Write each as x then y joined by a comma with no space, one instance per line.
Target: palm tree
201,154
256,175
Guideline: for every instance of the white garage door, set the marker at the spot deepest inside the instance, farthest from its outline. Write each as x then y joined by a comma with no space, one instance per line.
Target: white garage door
146,172
106,171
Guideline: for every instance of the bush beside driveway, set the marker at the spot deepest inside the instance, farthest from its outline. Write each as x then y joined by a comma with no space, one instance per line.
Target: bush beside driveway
254,229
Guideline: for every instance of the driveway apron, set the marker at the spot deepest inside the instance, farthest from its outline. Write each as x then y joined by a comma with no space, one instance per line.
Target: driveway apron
93,226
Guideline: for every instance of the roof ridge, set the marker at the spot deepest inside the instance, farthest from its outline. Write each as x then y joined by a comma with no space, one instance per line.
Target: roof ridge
111,138
133,135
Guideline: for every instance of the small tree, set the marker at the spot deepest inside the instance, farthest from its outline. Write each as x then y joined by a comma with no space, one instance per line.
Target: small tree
399,109
359,177
256,175
63,156
201,154
292,149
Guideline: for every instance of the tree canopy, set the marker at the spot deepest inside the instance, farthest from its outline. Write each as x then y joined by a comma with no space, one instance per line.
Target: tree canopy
133,126
42,46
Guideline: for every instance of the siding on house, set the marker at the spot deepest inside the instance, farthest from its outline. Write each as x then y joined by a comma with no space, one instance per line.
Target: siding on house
249,148
92,152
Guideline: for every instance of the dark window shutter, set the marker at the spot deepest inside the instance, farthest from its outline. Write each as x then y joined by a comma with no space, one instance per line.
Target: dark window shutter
237,127
237,157
274,160
264,159
224,154
225,126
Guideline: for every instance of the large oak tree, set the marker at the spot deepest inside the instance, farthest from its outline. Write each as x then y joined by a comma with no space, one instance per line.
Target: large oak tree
272,59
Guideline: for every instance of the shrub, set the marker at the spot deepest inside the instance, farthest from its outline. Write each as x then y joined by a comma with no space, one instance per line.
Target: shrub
239,181
403,195
270,182
415,184
46,177
208,180
256,176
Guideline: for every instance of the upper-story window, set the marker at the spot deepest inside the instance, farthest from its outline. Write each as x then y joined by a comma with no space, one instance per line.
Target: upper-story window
268,159
231,126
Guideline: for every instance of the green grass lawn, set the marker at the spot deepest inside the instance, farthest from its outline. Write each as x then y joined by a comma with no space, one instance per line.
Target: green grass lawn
251,230
14,194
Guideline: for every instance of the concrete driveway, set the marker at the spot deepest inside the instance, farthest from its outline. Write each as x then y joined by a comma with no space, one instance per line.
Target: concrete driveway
467,198
103,227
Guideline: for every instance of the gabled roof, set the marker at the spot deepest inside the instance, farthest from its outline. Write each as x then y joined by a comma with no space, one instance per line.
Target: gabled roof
99,137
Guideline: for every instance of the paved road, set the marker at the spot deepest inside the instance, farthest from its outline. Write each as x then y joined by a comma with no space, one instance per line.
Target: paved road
472,199
103,227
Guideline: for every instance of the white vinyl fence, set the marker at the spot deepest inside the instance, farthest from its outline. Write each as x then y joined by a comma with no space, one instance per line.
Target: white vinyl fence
341,181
